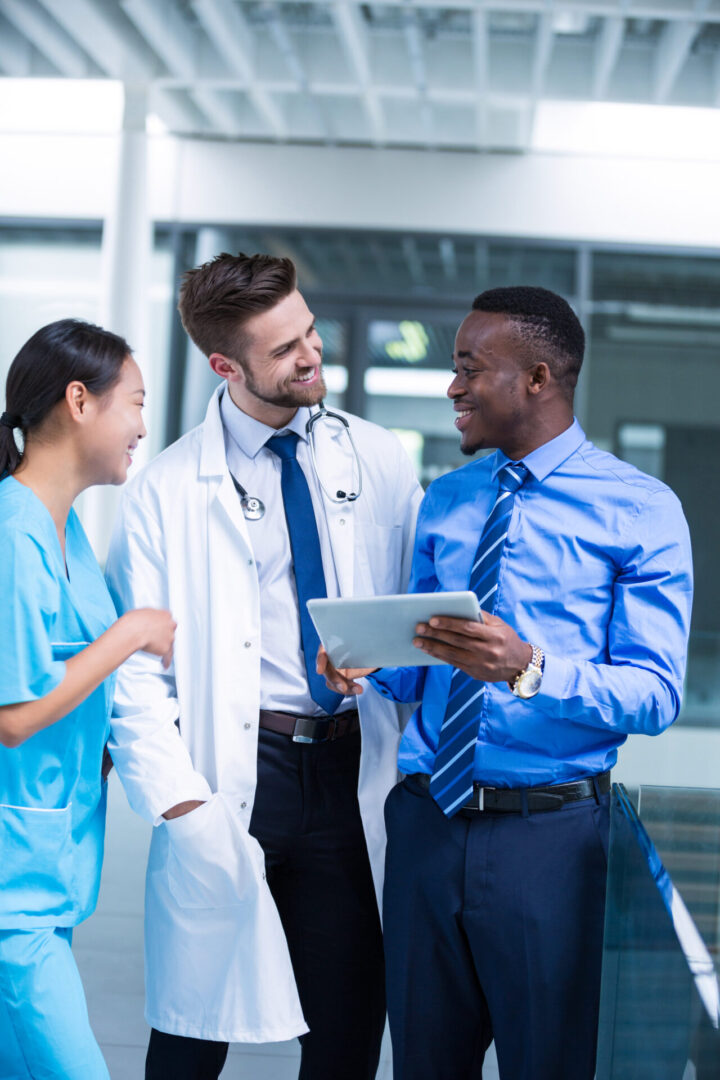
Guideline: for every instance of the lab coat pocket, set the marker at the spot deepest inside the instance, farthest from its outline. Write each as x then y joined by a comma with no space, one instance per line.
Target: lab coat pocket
378,550
37,870
213,862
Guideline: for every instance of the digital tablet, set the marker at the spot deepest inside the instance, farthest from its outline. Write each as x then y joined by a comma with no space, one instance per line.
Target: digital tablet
378,631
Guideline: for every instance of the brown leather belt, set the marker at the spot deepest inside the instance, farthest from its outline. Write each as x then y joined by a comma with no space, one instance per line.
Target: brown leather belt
510,800
311,729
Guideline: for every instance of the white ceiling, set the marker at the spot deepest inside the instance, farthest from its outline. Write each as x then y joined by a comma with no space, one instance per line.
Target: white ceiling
465,75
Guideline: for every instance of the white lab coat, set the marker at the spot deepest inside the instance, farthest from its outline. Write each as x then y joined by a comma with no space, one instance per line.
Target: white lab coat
216,959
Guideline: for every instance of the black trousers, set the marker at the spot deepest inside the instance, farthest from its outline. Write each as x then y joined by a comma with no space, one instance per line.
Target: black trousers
493,929
307,820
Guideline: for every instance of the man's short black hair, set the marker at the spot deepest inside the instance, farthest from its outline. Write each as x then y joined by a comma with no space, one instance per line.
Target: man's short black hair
546,325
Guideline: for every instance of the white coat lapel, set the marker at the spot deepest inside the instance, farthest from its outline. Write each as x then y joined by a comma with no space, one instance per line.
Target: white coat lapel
337,470
213,463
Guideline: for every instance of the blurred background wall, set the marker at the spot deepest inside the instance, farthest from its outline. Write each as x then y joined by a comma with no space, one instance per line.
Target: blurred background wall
406,155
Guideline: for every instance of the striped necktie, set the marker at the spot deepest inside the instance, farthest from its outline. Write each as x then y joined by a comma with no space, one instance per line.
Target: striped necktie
452,780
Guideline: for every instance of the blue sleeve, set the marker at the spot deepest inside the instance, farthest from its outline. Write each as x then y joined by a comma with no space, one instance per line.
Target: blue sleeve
639,689
406,684
29,602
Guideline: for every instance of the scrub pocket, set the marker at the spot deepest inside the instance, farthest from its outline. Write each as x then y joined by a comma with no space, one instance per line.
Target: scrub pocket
37,876
212,860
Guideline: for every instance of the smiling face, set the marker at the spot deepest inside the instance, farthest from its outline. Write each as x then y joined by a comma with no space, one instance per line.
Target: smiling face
281,365
114,426
491,390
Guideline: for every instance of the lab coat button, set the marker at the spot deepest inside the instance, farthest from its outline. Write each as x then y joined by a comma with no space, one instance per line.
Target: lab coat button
341,521
243,805
248,644
247,726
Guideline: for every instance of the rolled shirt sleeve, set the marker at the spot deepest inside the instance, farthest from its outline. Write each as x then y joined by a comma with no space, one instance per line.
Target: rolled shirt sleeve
639,687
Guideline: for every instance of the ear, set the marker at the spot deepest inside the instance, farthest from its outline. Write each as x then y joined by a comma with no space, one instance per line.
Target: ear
538,378
77,399
225,367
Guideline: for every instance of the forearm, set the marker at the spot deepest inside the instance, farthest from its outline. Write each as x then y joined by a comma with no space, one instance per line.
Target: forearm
402,684
84,672
622,698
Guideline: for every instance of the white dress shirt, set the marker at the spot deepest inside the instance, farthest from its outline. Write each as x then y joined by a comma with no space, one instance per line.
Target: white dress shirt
283,678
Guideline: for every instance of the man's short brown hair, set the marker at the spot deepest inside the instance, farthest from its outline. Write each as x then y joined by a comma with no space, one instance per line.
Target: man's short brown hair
217,298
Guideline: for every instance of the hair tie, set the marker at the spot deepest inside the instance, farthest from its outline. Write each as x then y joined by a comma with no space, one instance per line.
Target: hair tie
9,420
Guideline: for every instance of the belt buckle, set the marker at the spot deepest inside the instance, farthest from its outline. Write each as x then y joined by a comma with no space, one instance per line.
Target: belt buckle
478,799
303,724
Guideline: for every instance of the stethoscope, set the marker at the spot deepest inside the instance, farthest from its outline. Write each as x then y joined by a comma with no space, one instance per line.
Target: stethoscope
254,508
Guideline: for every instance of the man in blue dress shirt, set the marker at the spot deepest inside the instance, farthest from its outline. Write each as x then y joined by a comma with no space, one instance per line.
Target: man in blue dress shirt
497,836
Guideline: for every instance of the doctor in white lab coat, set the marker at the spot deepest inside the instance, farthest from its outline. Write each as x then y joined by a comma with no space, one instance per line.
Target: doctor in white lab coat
218,967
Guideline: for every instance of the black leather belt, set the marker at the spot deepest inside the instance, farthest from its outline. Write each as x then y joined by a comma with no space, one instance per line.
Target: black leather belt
311,729
536,799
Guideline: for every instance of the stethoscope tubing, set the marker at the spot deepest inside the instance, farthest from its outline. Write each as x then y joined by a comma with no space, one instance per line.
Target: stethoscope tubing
254,508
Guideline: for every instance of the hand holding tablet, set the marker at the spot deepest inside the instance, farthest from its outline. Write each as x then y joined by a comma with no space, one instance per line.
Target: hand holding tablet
368,632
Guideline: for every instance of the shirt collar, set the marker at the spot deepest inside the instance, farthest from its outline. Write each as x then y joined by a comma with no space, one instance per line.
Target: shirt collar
549,456
250,435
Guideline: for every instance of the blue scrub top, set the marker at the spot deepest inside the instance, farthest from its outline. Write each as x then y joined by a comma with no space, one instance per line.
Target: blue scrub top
52,799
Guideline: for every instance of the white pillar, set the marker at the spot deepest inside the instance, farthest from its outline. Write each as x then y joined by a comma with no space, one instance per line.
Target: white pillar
200,380
126,253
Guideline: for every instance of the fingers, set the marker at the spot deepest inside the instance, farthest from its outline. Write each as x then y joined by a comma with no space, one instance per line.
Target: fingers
322,661
449,654
440,624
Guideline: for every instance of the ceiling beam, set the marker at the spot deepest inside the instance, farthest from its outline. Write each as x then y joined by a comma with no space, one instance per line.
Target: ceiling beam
354,38
102,38
233,39
413,39
544,41
284,43
171,38
481,65
15,52
47,37
607,52
672,51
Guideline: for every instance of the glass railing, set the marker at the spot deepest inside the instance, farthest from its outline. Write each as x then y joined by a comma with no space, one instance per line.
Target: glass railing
660,995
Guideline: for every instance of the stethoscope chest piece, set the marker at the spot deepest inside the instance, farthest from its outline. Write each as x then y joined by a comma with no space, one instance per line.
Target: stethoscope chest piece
252,508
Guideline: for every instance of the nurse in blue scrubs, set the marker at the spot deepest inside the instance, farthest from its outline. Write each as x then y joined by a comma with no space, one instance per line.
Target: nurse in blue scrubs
75,395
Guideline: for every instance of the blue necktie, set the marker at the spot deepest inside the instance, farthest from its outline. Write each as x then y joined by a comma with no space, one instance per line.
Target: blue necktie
452,780
307,559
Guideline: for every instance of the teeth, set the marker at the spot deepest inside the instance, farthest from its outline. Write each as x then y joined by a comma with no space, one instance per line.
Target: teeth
463,412
305,378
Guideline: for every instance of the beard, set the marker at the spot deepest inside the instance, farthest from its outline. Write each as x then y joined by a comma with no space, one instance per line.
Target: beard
289,398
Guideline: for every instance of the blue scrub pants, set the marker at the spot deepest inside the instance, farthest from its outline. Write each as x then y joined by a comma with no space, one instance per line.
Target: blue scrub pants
45,1033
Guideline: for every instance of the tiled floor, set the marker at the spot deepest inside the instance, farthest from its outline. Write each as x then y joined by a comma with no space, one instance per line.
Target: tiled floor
109,952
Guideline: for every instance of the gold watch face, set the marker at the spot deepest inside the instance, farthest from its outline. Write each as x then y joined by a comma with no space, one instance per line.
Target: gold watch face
529,683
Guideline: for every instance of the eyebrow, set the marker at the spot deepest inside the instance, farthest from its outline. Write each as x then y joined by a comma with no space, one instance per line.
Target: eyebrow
139,391
288,344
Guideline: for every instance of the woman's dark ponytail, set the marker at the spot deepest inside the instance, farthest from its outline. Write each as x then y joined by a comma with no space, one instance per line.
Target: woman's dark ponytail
60,353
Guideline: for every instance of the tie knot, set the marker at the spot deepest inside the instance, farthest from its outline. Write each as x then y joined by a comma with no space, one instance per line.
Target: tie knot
285,446
512,476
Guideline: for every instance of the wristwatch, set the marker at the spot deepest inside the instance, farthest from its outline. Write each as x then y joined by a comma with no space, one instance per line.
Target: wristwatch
527,682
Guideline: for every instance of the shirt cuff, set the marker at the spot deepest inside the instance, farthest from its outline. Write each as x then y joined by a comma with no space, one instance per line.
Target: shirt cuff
555,681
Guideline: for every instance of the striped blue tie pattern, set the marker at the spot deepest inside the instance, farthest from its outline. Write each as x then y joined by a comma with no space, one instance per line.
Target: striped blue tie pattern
451,783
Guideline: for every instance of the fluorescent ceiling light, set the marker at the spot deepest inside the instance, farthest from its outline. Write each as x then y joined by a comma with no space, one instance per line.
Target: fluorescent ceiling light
407,382
61,106
336,378
614,130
